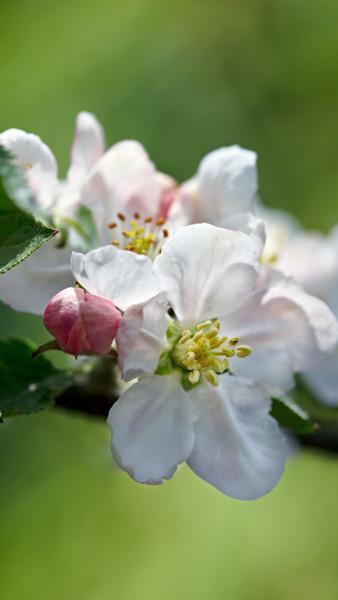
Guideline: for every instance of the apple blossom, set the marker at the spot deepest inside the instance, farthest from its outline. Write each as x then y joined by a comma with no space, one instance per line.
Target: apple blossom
222,193
206,374
132,205
31,284
81,323
121,180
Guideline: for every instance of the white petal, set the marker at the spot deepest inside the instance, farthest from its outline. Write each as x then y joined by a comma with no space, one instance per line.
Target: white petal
280,227
88,145
271,329
124,181
206,271
141,337
312,260
286,328
323,380
239,448
37,162
152,429
123,277
271,367
320,320
130,179
31,284
227,183
95,195
185,207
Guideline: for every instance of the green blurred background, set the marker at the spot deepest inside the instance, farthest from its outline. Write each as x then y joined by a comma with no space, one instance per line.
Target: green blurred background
183,77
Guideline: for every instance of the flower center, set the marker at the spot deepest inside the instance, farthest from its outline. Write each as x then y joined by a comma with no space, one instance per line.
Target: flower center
140,235
202,351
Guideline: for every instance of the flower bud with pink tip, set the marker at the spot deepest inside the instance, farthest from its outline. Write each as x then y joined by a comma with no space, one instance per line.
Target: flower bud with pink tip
82,323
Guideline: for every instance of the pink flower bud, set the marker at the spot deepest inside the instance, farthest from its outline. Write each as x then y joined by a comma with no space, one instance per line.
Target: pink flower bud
82,323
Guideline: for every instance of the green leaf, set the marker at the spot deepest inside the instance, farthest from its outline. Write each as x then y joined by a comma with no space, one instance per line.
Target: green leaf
290,418
165,364
313,405
20,233
26,385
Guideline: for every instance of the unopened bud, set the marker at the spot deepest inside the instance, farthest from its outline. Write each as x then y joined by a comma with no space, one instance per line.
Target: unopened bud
82,323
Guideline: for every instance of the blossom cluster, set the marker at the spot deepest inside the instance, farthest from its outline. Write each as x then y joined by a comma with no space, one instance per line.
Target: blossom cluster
211,302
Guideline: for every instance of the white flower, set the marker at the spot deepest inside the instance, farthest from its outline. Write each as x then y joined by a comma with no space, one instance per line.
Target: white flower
312,259
30,285
206,374
122,180
39,164
142,207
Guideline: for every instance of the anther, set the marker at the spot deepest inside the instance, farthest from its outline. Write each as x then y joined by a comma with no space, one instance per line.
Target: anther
229,352
185,336
224,365
137,215
115,243
216,343
194,376
165,233
112,225
243,351
211,377
160,221
203,325
213,332
121,216
233,341
148,220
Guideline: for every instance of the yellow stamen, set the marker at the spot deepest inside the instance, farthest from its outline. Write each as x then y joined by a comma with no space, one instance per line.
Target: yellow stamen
205,352
142,236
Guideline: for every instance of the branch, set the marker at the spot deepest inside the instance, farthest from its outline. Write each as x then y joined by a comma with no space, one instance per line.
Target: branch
95,393
324,439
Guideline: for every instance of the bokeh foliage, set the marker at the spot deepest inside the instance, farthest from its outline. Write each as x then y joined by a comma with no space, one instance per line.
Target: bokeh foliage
183,77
